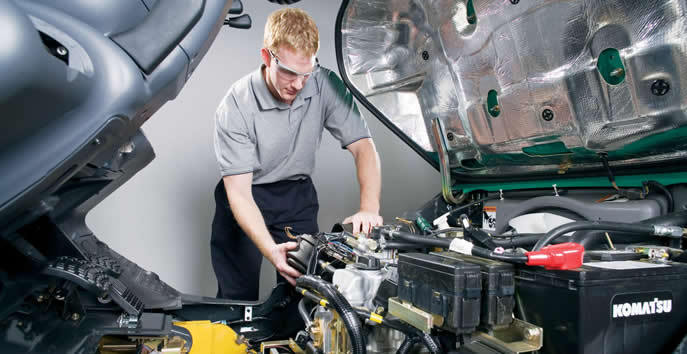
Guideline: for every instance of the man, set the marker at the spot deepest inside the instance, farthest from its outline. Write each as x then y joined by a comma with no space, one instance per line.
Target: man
267,129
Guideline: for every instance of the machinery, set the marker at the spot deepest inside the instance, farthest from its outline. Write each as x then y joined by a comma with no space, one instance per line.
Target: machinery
557,127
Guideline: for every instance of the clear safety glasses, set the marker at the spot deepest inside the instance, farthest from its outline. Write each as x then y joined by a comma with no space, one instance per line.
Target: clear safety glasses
291,74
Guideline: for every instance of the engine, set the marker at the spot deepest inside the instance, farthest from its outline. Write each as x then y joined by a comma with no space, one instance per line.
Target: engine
590,270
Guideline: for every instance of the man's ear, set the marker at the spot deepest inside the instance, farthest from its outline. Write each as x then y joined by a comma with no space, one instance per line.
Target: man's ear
266,57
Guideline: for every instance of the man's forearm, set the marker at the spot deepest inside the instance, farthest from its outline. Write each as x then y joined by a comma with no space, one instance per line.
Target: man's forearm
251,221
369,177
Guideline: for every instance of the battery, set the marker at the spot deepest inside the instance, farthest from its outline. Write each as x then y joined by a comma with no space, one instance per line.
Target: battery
450,288
606,307
498,289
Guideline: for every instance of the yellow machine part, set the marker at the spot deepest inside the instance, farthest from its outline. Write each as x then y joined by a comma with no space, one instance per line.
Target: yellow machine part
213,338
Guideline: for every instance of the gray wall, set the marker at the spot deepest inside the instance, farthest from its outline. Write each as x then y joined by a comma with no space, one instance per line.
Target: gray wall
161,218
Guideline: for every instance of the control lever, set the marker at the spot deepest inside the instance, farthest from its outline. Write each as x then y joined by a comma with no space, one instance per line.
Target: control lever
242,22
236,8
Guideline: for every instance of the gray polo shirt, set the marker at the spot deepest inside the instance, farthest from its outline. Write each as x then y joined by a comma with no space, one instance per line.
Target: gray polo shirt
254,132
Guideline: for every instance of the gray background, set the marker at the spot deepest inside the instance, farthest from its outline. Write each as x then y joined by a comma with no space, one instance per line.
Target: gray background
161,218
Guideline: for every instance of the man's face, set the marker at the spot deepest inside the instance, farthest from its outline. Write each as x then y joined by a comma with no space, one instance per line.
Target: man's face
287,71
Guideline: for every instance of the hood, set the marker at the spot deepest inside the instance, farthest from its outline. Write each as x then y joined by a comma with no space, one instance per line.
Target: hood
521,90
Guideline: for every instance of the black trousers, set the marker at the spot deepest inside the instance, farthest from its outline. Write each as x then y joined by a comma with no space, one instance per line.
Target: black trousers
235,258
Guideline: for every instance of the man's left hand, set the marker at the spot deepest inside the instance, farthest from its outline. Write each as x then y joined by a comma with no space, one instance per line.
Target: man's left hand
363,221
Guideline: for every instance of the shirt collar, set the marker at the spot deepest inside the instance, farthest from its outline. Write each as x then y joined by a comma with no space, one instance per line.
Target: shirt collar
268,101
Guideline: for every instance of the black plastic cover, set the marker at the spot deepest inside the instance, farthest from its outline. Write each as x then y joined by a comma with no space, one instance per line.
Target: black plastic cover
442,286
154,38
635,309
498,289
386,290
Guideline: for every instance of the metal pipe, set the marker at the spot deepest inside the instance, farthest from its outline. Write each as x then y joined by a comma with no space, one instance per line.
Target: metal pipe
444,168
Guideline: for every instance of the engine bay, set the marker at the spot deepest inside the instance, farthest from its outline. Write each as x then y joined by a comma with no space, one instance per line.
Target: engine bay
564,270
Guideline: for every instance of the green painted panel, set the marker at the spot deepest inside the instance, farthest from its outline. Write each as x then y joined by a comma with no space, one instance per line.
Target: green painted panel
493,104
471,15
622,181
610,66
556,148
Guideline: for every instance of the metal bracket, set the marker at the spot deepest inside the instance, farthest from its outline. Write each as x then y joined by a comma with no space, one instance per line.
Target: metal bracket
248,313
518,337
444,168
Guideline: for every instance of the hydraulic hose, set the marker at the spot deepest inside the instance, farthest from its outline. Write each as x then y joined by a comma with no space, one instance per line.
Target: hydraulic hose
594,237
662,188
421,240
678,218
341,306
518,241
398,245
407,344
446,243
430,343
410,332
592,225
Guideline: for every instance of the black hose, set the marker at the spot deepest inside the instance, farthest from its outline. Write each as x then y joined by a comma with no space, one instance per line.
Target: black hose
592,225
398,245
446,243
595,237
341,306
423,240
662,188
676,218
408,344
431,345
518,241
410,332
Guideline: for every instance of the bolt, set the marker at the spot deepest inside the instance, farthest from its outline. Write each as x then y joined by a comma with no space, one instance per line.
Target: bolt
62,51
496,109
531,333
547,115
40,298
660,87
617,72
514,2
425,55
97,141
75,316
20,324
450,136
59,297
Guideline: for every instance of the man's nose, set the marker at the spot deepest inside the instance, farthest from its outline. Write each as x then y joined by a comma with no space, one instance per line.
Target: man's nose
298,83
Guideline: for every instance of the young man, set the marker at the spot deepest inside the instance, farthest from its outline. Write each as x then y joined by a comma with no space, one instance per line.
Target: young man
267,130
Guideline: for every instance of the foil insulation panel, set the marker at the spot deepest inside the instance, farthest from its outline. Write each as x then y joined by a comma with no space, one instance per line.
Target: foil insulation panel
525,86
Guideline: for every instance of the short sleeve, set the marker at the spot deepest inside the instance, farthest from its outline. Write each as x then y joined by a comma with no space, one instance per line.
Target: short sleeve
341,115
234,148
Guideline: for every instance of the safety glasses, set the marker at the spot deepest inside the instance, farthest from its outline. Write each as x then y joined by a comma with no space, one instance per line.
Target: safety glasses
291,74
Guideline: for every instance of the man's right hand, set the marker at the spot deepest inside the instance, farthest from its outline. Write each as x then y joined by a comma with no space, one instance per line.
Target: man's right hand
277,256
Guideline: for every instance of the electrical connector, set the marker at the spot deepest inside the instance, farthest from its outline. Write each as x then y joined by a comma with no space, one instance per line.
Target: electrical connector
562,256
